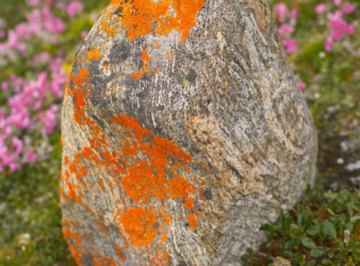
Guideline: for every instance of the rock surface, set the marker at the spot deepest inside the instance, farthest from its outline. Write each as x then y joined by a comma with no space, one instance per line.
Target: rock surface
183,133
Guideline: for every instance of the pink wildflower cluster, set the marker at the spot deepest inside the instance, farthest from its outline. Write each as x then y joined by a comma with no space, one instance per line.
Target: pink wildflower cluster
32,102
287,19
338,28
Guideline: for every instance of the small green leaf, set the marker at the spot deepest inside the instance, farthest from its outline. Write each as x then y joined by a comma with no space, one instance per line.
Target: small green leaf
308,242
313,230
330,211
318,252
329,229
355,218
326,261
267,228
295,229
350,207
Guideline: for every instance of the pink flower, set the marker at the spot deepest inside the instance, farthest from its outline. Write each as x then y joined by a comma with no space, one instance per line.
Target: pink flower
73,8
337,2
281,11
30,157
293,16
290,45
17,144
329,44
321,8
340,28
52,23
44,57
14,166
348,8
84,34
285,29
301,85
49,119
55,25
5,85
57,84
33,3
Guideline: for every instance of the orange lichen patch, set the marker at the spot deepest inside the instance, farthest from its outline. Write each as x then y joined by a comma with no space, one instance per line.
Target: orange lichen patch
149,169
147,179
90,155
132,127
137,75
79,94
81,172
142,183
166,218
80,78
169,55
145,57
75,242
140,226
159,18
161,259
145,67
192,221
103,261
168,148
143,17
189,203
67,88
120,253
110,30
164,238
180,187
156,45
93,54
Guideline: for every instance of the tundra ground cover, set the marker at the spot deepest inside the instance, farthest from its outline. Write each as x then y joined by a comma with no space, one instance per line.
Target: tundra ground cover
38,40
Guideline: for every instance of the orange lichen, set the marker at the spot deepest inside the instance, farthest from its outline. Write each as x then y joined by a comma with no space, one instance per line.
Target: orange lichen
158,18
66,160
79,93
137,75
75,245
145,67
161,257
189,203
120,253
93,54
140,226
180,187
142,183
110,30
132,127
103,261
143,17
192,221
150,169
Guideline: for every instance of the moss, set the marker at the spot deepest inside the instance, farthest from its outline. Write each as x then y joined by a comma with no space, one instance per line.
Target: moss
31,233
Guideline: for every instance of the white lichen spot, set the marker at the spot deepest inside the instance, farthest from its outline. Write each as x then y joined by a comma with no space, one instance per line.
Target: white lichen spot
221,40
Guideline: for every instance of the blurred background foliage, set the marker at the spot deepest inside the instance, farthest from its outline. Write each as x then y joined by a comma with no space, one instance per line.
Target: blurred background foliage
324,229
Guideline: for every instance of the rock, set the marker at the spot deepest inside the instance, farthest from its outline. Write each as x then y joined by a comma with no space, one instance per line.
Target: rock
183,133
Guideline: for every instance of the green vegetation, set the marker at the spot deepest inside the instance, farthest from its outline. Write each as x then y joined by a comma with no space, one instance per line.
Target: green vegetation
30,232
324,229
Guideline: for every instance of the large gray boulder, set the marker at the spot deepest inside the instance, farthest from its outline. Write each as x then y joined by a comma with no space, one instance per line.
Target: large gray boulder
183,133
